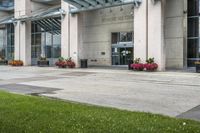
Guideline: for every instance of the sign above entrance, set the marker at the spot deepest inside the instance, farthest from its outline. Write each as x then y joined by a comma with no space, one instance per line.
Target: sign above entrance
86,5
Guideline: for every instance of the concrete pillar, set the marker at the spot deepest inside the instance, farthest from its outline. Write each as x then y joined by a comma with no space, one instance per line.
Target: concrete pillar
140,30
149,33
75,34
70,34
156,33
23,32
65,24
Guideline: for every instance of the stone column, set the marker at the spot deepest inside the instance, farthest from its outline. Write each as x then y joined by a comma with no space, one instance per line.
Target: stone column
156,32
23,32
65,24
70,34
149,32
75,36
140,30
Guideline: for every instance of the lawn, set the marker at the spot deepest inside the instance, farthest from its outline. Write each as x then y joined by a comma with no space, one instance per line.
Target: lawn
28,114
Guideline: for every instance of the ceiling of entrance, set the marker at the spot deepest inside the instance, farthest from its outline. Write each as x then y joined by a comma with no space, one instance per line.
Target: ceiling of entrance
50,2
85,5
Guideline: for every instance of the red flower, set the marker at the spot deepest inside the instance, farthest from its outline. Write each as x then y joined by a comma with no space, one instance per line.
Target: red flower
138,67
151,67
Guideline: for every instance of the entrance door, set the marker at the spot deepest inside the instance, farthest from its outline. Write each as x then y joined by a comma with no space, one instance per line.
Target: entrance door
121,56
122,48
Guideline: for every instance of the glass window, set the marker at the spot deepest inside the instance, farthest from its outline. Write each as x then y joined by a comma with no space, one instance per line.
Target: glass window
46,39
193,23
193,8
10,42
122,37
115,38
193,47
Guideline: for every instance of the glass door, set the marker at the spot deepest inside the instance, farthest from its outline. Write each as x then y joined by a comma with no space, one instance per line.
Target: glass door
121,56
122,48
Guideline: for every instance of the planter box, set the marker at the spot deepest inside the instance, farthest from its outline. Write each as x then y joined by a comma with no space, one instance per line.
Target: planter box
3,62
198,68
43,63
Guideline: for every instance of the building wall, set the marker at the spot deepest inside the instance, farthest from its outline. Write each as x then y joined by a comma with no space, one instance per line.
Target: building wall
175,33
96,29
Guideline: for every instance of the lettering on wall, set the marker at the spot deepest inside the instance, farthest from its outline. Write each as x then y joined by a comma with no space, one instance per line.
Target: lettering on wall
119,18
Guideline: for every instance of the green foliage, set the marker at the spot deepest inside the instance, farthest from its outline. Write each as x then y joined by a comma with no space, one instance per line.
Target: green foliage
42,58
27,114
137,61
150,61
61,59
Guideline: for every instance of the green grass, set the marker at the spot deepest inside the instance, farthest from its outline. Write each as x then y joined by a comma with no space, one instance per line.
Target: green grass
27,114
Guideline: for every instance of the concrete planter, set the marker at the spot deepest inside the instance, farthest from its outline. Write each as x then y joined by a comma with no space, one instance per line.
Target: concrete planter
3,62
198,68
43,63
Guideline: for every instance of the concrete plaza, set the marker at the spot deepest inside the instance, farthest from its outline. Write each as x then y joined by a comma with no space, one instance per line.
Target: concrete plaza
169,93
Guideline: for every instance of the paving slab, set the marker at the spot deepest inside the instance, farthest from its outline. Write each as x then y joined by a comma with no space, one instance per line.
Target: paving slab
193,114
169,93
27,89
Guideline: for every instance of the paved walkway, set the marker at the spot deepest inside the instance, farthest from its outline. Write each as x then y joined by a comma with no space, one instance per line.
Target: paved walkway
168,93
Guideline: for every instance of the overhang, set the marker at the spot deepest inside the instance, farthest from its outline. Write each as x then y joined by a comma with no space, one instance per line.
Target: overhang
50,2
7,20
86,5
42,14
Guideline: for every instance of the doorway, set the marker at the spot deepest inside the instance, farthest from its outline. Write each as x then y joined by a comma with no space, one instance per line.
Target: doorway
122,48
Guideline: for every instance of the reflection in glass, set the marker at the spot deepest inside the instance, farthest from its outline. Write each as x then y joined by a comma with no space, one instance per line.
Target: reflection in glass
193,47
46,40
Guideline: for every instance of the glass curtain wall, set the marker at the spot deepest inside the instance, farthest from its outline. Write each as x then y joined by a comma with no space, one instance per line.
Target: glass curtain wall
46,41
193,32
2,44
7,42
10,42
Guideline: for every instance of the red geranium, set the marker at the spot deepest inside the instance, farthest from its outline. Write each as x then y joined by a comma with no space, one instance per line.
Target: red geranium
138,67
151,67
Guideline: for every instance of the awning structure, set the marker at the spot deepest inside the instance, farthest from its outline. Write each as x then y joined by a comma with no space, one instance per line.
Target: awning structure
43,14
86,5
52,25
48,19
7,20
50,2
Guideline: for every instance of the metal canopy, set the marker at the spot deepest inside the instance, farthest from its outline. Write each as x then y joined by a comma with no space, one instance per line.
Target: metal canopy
7,20
85,5
50,2
42,14
52,25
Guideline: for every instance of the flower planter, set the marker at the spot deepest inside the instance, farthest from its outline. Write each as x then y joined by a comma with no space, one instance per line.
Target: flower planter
43,63
62,63
16,63
3,62
138,67
151,67
198,68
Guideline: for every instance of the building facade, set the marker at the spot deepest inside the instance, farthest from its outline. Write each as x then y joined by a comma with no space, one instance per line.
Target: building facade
106,32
